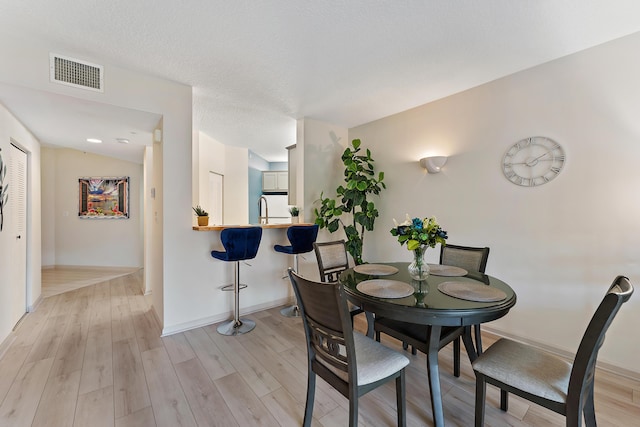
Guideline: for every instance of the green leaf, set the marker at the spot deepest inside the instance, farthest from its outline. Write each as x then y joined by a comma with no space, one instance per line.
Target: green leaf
380,177
361,186
413,245
356,143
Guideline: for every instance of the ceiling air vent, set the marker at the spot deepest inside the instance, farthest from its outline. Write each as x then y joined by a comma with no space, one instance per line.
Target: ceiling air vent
76,73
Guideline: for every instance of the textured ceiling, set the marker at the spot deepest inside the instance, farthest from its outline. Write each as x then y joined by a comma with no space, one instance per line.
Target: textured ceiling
257,66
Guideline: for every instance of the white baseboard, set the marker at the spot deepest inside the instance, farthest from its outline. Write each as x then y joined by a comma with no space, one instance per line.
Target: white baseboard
34,306
175,329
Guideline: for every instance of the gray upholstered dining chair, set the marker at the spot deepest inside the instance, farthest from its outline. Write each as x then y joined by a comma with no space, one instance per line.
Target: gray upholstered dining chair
332,260
543,378
471,259
349,361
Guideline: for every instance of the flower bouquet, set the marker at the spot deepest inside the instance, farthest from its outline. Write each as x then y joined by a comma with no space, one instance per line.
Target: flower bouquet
419,234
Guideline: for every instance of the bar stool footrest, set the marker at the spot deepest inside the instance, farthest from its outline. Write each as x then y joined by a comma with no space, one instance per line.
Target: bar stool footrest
230,287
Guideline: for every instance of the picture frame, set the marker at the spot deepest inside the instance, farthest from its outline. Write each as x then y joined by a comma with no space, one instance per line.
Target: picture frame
103,198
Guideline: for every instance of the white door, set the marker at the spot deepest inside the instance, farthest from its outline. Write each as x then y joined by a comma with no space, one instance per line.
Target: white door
17,206
216,206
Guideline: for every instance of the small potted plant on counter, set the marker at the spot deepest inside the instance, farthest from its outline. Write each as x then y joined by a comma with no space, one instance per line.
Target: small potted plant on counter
203,216
295,212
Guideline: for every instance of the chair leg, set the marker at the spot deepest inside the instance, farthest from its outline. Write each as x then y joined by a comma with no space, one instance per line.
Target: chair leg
456,357
478,337
589,409
311,393
370,322
504,400
401,403
481,391
353,410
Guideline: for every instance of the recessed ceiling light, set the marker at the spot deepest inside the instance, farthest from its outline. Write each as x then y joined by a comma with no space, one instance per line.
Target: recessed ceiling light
94,140
122,140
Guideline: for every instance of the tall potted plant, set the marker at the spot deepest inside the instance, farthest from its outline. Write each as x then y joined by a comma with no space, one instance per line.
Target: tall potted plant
361,182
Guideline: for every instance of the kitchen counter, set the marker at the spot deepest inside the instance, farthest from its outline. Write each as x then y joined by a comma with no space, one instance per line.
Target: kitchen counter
264,226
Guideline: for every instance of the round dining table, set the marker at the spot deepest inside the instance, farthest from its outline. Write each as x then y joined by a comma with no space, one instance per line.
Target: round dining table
390,292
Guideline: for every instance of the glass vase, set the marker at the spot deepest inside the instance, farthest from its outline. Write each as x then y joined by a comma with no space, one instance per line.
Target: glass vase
419,269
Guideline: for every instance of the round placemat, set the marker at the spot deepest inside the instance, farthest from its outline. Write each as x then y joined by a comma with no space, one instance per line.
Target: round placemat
471,291
375,269
383,288
447,270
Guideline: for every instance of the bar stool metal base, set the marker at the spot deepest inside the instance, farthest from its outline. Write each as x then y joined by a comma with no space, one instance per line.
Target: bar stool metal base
236,326
233,327
293,311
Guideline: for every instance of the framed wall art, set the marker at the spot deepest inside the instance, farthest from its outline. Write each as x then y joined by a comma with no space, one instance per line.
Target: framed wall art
103,198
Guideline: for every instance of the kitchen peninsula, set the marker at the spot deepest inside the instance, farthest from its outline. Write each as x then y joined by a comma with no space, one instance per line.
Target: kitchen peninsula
265,275
263,226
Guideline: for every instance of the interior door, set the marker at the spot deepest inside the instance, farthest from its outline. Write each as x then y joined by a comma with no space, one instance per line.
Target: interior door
17,206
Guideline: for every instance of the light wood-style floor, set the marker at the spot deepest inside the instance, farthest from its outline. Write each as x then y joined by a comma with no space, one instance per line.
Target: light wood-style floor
61,279
93,357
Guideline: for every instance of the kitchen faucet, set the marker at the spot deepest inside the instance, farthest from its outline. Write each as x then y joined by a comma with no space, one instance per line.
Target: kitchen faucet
266,211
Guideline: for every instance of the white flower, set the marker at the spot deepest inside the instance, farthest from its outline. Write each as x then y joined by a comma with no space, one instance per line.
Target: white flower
407,222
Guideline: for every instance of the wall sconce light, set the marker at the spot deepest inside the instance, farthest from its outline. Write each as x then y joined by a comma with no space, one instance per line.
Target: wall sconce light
433,164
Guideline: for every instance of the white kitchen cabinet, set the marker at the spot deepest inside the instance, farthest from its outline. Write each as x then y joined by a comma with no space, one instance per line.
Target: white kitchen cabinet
275,181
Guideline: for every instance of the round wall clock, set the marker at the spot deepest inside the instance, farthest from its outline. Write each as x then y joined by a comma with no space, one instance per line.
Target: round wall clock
533,161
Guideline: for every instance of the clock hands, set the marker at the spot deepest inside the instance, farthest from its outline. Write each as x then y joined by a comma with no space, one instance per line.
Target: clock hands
534,161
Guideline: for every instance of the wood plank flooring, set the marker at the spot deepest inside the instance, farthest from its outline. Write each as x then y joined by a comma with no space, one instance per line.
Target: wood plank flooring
93,357
61,279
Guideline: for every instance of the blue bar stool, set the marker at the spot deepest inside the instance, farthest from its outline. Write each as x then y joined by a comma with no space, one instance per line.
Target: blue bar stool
240,244
302,238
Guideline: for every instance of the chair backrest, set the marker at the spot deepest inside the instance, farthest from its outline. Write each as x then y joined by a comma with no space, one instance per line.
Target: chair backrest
327,325
241,243
332,259
584,364
302,237
467,257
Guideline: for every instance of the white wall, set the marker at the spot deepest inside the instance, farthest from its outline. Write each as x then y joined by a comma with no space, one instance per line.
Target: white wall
319,147
233,164
48,177
89,242
236,185
558,245
128,89
12,129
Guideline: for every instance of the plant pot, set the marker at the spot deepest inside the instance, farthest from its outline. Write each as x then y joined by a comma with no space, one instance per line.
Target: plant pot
295,219
203,221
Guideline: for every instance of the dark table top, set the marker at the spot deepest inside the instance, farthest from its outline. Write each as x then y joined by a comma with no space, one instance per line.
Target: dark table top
428,305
